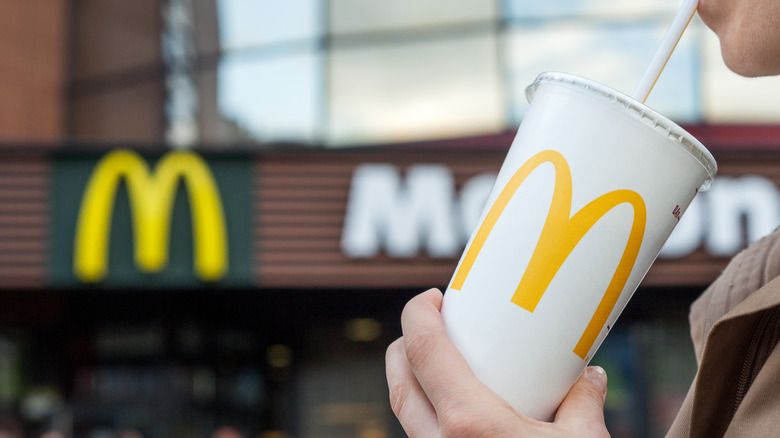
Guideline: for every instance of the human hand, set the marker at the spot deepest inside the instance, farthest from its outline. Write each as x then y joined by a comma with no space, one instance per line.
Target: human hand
434,393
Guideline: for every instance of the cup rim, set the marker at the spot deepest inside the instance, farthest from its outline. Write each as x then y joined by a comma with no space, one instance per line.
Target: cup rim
653,119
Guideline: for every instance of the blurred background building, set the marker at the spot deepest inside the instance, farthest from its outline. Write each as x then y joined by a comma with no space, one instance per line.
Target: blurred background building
269,283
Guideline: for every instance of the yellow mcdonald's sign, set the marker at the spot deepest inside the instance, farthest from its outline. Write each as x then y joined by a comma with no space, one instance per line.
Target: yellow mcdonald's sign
152,197
560,235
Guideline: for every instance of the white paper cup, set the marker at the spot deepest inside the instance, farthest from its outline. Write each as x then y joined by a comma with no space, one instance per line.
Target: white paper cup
588,193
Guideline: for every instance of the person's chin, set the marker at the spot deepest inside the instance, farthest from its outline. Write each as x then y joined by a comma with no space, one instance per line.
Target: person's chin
743,63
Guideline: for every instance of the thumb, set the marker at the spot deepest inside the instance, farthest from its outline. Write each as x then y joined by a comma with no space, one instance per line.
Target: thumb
583,406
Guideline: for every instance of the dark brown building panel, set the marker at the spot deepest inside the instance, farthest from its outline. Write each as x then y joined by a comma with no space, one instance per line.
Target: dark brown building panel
117,91
299,217
33,45
24,221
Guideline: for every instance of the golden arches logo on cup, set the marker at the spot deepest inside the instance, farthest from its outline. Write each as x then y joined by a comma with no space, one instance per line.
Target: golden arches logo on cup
152,195
560,235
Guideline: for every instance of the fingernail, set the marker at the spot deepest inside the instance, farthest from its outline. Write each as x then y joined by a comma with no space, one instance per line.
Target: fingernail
598,376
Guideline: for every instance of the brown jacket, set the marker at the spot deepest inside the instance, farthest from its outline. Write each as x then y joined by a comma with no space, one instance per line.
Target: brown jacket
735,326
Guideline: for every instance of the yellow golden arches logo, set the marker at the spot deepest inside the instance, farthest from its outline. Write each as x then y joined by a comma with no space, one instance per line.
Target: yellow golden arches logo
151,201
560,234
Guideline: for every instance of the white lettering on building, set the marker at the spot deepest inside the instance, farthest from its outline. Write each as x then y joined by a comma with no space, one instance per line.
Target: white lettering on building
422,213
725,219
402,216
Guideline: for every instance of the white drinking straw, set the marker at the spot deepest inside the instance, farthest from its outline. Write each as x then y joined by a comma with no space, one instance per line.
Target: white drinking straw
684,16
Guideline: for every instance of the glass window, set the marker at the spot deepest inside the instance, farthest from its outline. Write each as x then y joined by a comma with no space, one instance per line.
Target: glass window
615,55
677,94
342,72
349,16
272,99
419,90
245,23
269,85
601,9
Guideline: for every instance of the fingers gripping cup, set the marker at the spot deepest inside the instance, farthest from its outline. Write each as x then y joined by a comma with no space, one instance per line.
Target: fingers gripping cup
590,189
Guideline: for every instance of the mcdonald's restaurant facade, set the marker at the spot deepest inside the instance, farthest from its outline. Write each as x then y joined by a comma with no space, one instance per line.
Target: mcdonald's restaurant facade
239,284
116,218
246,288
